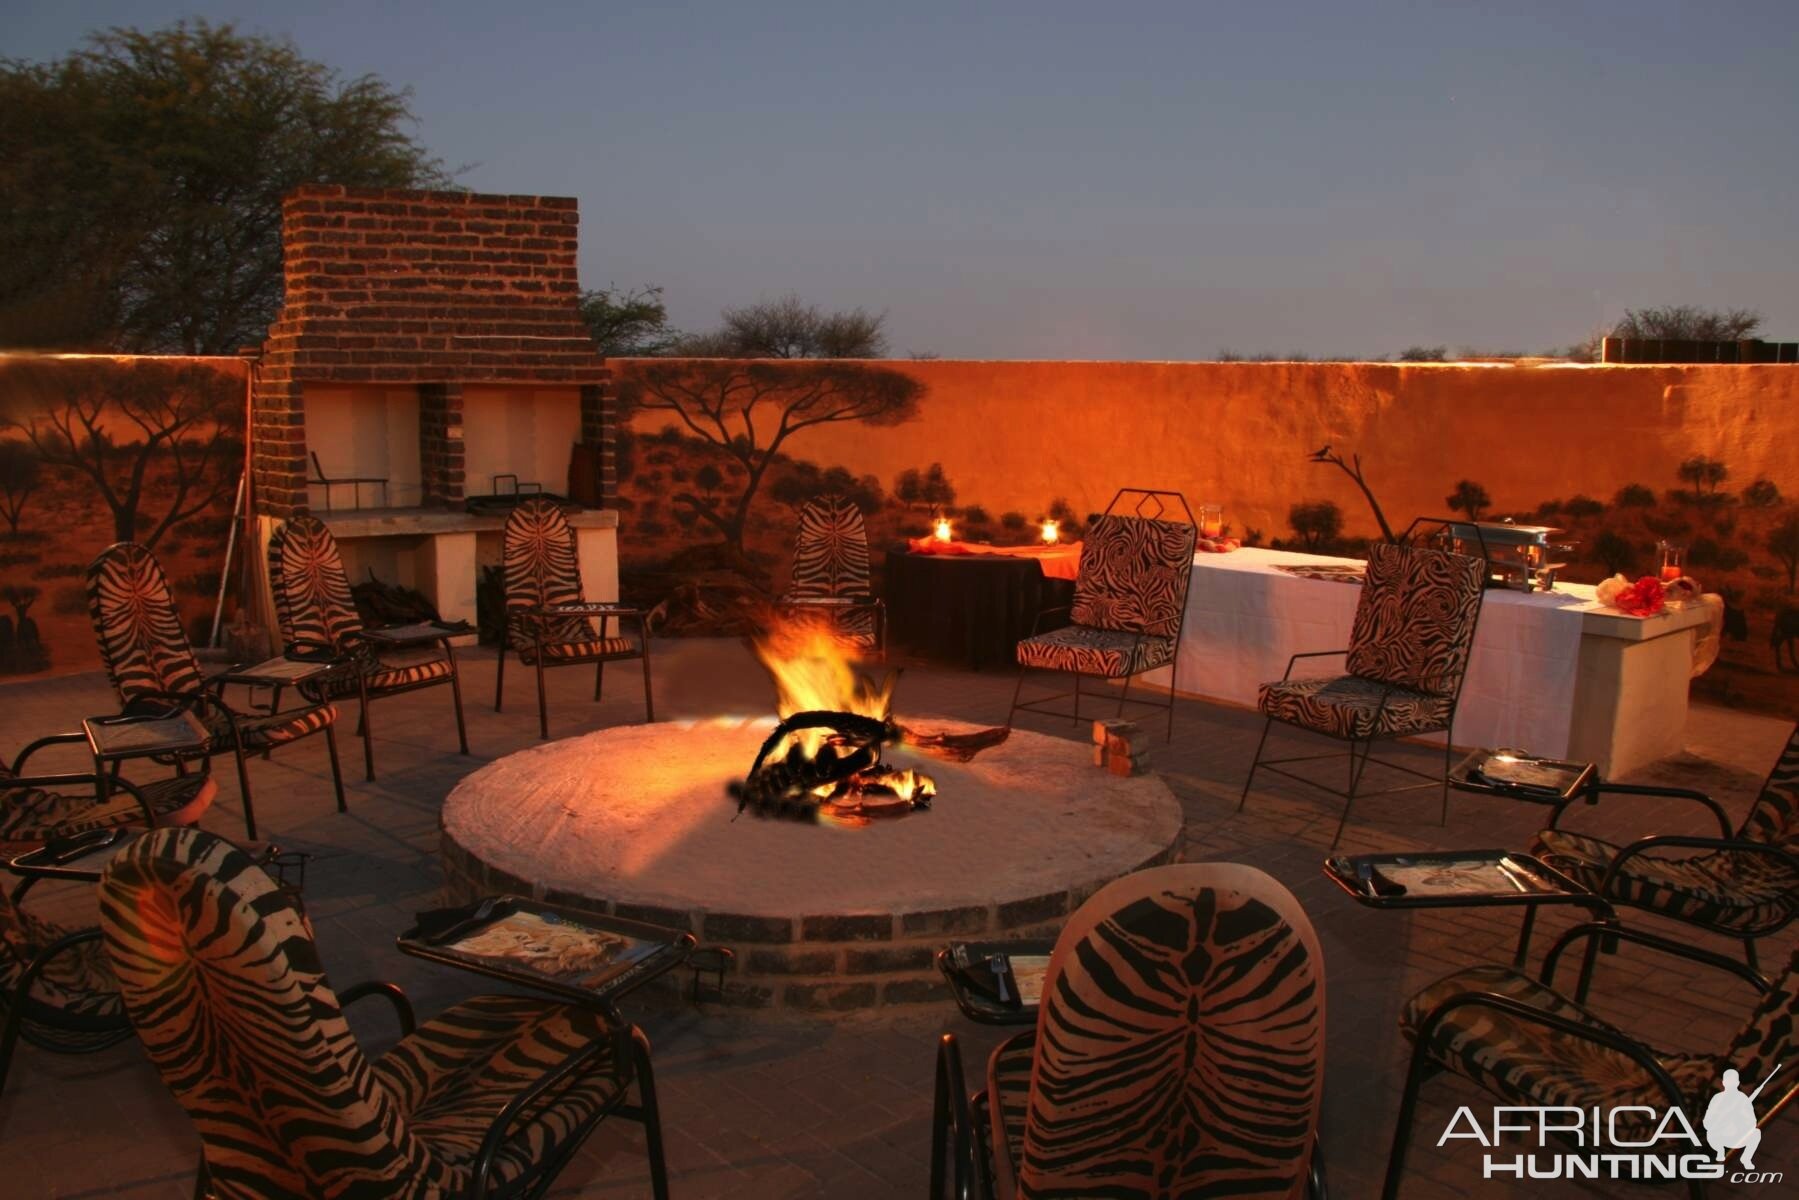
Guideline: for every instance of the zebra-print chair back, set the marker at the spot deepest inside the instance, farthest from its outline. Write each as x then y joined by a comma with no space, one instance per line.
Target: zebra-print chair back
541,564
1774,820
830,557
1180,1043
1133,575
1414,624
312,592
141,640
220,978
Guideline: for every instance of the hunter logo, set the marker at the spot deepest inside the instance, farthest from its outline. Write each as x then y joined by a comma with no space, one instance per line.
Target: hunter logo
1628,1142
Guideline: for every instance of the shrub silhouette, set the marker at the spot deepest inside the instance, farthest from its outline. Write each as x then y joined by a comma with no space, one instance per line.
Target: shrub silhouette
1614,552
1761,494
1468,497
1317,522
1634,495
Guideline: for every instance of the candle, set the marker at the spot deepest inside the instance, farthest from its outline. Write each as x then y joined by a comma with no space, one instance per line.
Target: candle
1211,521
1670,573
1052,531
941,530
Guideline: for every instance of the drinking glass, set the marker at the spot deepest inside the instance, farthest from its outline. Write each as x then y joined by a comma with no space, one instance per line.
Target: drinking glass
1211,520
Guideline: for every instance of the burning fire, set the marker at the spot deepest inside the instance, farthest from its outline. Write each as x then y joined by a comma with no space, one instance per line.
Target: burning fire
830,769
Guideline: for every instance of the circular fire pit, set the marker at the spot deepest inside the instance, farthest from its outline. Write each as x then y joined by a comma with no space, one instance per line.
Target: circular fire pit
634,821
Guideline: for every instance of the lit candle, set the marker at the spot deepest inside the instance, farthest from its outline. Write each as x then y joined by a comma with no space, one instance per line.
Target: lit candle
1052,531
1211,521
941,531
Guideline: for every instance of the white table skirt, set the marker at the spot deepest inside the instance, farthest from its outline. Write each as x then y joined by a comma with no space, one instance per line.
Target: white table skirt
1245,619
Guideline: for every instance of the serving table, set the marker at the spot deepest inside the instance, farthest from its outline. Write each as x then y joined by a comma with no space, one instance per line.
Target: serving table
974,608
1553,673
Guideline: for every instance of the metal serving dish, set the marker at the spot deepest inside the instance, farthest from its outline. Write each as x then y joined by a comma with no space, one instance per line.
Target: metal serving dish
1520,557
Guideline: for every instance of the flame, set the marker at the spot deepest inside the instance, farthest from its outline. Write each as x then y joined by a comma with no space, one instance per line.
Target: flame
940,529
1052,531
813,671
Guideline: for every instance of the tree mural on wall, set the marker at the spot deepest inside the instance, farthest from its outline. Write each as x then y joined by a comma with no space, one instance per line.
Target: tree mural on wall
20,473
1468,497
156,441
749,409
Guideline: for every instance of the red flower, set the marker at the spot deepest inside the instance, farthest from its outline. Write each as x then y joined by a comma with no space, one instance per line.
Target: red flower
1644,598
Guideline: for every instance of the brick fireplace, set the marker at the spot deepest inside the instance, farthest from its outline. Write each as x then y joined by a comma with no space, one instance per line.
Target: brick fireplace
431,340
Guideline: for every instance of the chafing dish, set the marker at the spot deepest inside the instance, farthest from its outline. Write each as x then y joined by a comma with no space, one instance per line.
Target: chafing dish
1520,557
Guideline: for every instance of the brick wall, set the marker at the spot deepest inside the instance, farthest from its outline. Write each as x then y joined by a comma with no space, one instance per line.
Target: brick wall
392,286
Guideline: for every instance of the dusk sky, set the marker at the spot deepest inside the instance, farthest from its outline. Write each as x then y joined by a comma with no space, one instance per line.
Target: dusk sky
1130,181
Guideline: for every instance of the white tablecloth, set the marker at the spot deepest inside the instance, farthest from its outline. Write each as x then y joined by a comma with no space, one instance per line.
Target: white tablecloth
1245,619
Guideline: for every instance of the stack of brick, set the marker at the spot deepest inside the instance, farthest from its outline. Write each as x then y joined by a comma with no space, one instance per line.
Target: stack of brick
1120,747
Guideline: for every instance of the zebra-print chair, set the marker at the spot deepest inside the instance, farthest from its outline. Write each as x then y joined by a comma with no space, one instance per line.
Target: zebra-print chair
1179,1051
543,573
153,668
1130,600
1744,885
221,979
56,991
317,611
830,576
1530,1046
1408,653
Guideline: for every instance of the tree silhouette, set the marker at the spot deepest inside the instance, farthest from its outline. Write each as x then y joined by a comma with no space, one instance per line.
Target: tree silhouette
1468,497
1614,551
789,328
1784,542
181,422
1353,469
1317,523
20,473
1705,474
1688,323
750,408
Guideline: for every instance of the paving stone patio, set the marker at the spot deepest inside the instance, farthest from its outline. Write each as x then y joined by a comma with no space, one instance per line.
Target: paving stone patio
779,1105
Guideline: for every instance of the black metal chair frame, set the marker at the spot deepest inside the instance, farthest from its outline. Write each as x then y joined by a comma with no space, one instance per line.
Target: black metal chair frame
1040,704
19,1006
1421,1067
363,656
1729,841
535,618
1358,767
356,480
961,1153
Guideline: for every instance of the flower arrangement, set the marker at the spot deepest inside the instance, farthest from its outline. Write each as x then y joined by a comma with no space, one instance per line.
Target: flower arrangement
1644,598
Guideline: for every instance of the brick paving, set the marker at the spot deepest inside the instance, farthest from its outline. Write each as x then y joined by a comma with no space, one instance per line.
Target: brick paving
781,1105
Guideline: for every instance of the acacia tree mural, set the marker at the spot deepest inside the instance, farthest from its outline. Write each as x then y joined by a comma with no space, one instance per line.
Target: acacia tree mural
155,440
20,473
749,409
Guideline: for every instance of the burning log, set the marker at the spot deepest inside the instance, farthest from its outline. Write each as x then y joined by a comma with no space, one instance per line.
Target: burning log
954,747
842,773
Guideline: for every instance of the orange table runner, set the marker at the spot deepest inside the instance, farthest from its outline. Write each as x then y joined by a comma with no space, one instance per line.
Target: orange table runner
1060,561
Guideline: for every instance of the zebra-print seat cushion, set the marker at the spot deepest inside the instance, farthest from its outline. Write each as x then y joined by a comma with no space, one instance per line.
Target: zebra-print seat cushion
571,645
1527,1064
1748,894
1351,707
392,669
460,1068
275,730
1086,651
29,817
1133,575
1180,1045
73,1004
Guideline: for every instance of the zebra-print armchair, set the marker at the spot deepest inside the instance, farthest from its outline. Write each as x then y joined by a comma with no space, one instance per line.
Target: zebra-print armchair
549,622
1530,1046
1744,884
56,990
1408,653
221,979
153,669
317,612
1179,1051
1130,600
830,583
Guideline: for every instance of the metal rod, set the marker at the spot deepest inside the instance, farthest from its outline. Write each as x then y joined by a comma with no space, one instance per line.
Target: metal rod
218,608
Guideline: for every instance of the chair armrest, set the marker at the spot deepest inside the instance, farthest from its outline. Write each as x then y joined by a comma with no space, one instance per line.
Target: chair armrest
391,992
1309,654
1595,790
1635,1051
952,1126
496,1131
55,739
1593,929
1037,625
